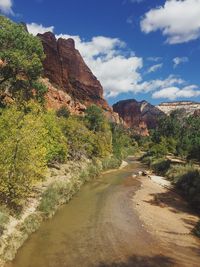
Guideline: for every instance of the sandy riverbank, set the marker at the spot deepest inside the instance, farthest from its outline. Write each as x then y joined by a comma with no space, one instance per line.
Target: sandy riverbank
167,216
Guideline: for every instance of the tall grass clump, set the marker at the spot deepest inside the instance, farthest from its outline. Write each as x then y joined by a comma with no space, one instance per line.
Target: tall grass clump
4,219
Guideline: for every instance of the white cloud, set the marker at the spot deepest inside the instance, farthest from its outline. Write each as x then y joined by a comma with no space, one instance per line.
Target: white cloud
154,59
6,7
117,68
178,20
155,68
179,60
112,63
173,93
106,57
35,28
158,84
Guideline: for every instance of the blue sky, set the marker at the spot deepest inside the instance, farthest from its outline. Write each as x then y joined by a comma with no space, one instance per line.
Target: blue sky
142,49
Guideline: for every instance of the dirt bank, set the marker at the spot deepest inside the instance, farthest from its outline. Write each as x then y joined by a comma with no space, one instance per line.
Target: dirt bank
167,216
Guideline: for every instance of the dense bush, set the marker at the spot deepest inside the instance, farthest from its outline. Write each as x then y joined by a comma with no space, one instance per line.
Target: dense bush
170,138
189,184
56,141
80,139
63,112
23,154
160,166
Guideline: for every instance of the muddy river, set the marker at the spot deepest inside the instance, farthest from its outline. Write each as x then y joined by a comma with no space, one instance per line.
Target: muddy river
99,227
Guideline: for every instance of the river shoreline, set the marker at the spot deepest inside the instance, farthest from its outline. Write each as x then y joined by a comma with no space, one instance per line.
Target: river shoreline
168,217
71,177
155,223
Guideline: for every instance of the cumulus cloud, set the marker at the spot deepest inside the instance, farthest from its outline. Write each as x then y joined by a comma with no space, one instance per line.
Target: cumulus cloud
173,93
107,58
178,20
117,68
155,68
158,84
110,60
179,60
6,7
35,28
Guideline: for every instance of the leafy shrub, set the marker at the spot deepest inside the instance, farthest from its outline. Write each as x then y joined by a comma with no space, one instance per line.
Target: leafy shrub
111,163
187,180
63,112
160,166
147,159
56,141
177,171
31,224
80,139
189,184
52,197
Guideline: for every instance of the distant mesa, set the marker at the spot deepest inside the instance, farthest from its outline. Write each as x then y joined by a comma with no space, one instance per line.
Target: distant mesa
140,116
189,107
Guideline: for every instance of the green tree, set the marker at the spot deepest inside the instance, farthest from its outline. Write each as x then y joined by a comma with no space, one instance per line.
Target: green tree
21,56
95,119
120,140
56,141
23,154
80,139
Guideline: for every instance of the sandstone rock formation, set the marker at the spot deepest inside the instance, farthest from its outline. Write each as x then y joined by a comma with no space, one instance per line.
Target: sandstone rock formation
188,107
140,116
197,113
56,99
66,70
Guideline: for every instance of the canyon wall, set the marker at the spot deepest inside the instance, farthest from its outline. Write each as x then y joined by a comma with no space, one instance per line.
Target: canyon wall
188,107
140,116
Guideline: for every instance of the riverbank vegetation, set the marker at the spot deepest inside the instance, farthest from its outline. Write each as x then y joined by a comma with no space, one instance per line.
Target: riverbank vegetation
34,139
173,151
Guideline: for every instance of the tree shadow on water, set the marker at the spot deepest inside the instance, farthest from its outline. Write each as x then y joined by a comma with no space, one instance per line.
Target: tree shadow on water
142,261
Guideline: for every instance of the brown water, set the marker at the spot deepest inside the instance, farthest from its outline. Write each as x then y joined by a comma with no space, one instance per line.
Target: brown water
97,228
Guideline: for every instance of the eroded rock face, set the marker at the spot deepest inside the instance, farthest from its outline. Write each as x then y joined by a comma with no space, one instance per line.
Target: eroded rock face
196,113
56,99
188,107
140,116
66,69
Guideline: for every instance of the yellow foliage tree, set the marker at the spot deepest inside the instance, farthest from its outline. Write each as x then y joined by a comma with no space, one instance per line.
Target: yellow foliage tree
23,153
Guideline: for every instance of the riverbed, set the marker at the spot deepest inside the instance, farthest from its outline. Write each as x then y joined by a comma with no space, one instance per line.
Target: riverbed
99,227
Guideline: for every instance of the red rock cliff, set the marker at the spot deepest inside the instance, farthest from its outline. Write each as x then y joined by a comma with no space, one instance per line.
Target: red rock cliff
140,116
66,69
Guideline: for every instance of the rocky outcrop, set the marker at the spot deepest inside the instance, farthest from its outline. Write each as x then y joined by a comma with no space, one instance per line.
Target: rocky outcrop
66,69
140,116
196,113
56,99
188,107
